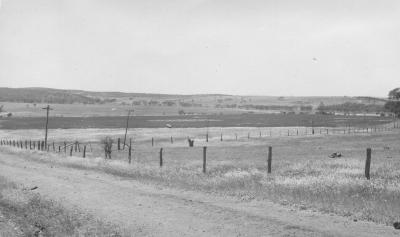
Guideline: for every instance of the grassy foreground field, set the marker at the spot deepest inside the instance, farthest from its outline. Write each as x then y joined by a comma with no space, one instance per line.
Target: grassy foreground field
302,174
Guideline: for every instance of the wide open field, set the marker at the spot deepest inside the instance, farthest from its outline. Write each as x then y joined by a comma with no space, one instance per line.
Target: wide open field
195,121
303,176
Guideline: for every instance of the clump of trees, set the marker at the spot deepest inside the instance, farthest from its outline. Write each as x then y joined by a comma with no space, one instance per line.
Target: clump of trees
394,94
393,105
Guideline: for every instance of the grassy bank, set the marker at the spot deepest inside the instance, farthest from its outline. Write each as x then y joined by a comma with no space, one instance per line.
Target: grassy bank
32,215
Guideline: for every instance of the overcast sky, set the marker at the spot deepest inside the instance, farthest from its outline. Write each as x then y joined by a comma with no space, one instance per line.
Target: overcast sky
259,47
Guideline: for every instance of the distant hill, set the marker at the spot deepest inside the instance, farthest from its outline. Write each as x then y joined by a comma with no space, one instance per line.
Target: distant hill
44,95
57,96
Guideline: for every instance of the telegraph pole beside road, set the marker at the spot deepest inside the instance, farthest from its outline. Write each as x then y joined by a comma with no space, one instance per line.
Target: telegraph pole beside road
47,108
127,125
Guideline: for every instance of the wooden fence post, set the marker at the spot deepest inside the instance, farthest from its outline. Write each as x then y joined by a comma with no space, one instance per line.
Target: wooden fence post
70,152
65,147
236,136
204,159
161,159
269,159
368,163
207,137
152,141
119,144
54,147
130,151
59,149
76,146
84,151
221,137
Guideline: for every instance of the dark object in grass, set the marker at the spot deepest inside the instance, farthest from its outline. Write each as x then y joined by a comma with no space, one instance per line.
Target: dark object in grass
31,189
396,225
335,155
191,142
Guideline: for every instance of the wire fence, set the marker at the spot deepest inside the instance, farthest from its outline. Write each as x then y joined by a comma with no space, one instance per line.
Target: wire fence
214,150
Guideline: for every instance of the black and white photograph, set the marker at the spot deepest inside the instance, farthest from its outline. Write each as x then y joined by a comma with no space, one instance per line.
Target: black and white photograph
181,118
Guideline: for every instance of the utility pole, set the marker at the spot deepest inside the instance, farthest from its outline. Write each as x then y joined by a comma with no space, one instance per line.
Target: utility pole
127,124
47,108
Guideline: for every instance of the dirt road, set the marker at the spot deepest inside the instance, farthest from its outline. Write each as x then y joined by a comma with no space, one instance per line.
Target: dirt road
148,210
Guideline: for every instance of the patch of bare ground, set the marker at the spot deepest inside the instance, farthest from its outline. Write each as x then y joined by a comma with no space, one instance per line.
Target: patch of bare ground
24,212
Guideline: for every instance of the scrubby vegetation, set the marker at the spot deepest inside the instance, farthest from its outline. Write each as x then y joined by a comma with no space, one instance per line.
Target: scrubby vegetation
349,107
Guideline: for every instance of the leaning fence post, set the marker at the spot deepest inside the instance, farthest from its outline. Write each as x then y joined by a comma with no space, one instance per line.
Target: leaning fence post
161,159
368,163
269,159
204,159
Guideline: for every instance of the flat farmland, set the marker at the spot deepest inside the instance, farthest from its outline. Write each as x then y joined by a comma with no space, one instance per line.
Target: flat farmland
303,175
195,121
